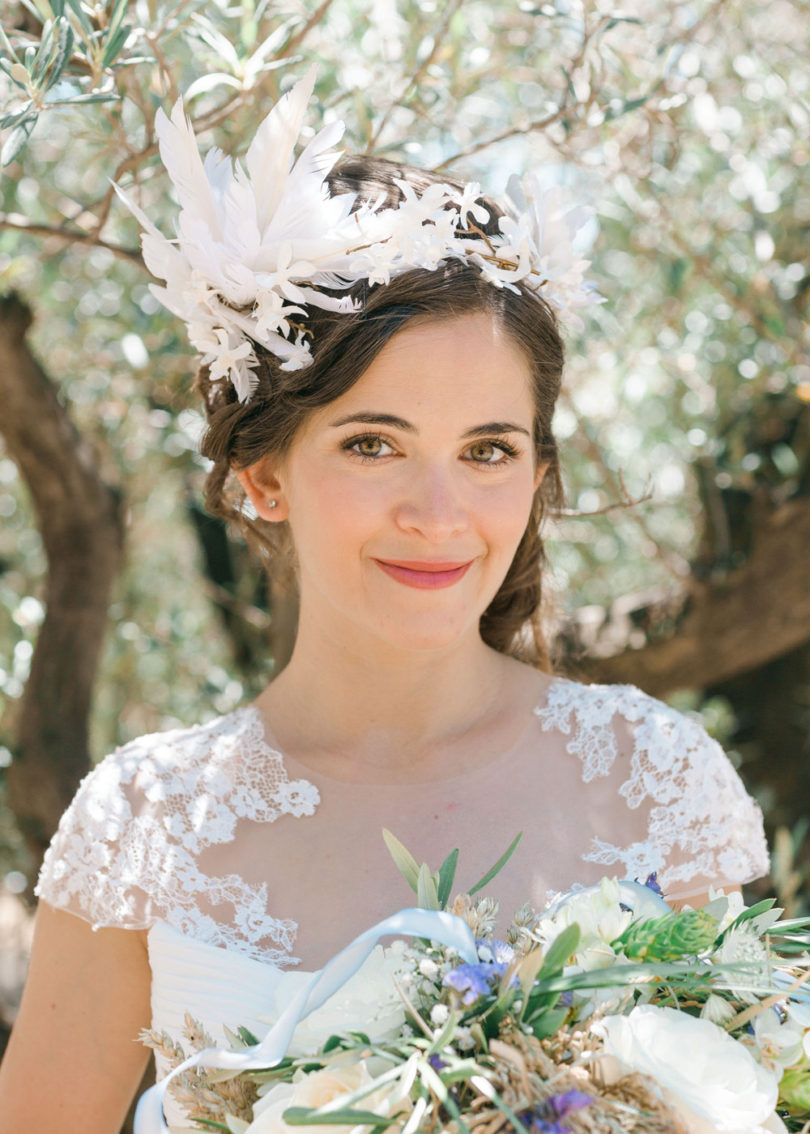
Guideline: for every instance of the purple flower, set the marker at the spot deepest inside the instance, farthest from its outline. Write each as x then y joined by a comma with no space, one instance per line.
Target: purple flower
472,981
544,1118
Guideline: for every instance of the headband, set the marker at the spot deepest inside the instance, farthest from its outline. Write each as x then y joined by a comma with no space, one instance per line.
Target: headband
257,244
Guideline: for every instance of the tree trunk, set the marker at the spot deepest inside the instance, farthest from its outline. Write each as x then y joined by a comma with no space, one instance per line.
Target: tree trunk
79,519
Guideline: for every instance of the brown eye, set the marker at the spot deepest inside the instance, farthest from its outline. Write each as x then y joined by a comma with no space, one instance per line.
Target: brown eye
369,446
492,453
483,451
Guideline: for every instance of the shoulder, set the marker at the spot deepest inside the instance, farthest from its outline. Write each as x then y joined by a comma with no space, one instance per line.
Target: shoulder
151,768
606,721
700,819
225,759
610,713
141,817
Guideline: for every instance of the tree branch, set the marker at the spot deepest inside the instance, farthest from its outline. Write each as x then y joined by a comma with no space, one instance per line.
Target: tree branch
726,627
70,235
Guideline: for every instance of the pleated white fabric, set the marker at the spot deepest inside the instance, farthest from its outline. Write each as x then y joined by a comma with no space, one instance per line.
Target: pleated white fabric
217,986
214,986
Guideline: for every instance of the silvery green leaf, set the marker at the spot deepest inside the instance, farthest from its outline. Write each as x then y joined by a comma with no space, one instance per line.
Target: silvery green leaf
207,83
427,891
81,16
17,139
5,43
272,43
115,44
447,873
117,16
94,96
40,9
216,40
14,119
404,861
502,861
63,50
43,52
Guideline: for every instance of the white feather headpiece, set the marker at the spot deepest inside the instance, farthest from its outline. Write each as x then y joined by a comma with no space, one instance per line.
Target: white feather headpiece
256,245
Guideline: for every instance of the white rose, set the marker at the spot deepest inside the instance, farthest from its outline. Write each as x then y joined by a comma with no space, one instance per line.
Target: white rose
368,1002
319,1088
711,1080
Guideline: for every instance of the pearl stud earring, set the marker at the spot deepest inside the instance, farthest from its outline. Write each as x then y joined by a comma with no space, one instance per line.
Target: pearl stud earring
272,503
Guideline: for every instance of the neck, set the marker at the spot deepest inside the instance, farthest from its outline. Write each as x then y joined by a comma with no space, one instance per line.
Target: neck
374,704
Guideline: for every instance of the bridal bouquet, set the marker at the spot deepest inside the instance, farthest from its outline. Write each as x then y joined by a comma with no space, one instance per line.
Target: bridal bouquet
604,1012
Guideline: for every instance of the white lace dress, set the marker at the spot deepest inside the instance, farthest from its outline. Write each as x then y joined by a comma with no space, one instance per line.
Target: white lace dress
200,836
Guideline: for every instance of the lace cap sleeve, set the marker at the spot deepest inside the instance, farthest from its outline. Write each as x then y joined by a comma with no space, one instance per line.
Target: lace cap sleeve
127,851
95,864
702,827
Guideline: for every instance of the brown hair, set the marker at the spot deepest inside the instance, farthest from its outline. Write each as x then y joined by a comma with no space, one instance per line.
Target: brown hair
343,347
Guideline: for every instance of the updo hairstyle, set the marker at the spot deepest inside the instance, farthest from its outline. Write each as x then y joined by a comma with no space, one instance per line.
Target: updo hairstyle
343,347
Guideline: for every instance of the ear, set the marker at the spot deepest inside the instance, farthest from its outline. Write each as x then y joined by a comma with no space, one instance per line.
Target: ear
539,474
263,489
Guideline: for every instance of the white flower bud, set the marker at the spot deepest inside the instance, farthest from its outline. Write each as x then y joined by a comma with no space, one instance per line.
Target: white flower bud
439,1014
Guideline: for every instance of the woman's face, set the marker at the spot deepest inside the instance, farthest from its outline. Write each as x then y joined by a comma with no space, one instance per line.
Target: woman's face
408,495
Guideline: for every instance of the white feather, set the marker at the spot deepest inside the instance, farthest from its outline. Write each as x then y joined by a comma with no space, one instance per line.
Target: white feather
160,256
239,216
270,154
178,149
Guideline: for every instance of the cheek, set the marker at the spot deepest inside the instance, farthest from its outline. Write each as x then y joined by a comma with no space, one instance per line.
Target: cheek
334,512
508,510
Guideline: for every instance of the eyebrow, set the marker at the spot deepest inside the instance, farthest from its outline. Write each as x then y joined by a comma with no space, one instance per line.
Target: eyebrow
485,430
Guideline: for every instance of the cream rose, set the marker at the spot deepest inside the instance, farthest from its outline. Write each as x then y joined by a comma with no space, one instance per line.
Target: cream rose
319,1088
711,1080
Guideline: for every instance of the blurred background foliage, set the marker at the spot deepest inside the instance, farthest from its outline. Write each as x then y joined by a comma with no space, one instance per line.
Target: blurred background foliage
684,122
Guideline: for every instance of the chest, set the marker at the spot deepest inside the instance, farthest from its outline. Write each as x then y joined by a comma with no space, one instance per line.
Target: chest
331,873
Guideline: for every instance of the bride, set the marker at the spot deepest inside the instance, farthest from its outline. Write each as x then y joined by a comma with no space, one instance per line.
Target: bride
381,357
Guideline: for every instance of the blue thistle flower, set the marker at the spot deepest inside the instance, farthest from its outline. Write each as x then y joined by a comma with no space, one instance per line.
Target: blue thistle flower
474,981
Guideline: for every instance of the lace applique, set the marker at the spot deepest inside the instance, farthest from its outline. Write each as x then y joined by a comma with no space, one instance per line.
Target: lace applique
128,857
701,822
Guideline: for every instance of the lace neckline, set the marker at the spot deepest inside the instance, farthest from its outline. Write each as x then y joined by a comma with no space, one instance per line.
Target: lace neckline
304,773
129,848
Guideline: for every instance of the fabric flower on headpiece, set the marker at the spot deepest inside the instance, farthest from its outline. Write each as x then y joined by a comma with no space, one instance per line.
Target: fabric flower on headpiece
260,244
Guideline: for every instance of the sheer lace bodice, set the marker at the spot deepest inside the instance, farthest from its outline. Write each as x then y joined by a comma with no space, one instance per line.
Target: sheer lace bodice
173,827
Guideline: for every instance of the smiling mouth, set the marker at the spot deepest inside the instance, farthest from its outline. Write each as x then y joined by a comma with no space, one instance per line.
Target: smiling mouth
425,576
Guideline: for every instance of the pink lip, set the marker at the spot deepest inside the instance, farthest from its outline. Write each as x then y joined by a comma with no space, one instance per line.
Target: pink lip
424,575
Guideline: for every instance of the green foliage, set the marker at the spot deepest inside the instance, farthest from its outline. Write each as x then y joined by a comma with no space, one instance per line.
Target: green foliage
687,126
433,888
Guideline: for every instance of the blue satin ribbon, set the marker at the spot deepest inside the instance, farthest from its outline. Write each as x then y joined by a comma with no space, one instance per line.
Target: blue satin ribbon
436,925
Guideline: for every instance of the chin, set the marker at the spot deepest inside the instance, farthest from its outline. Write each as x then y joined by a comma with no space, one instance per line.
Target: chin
420,636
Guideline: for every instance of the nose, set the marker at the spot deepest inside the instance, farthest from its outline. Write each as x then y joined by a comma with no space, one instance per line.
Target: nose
433,505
